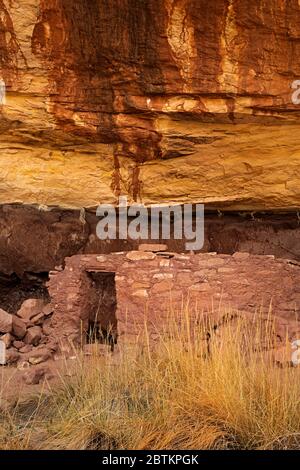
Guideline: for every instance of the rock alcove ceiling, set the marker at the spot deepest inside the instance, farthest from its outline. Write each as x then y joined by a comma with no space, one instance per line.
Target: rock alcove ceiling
173,101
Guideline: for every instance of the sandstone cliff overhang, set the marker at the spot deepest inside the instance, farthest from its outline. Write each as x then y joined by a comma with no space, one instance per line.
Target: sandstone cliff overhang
172,101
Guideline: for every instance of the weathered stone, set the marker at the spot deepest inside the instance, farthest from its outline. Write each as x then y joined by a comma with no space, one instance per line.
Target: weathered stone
37,319
25,349
12,356
164,263
161,276
240,255
39,355
18,327
201,287
226,270
48,310
23,365
185,278
33,335
152,247
140,285
211,263
47,329
162,286
5,321
101,259
186,140
36,375
241,285
140,255
141,293
30,308
18,344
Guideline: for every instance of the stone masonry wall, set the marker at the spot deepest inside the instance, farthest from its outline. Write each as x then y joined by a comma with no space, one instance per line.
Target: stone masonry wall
150,285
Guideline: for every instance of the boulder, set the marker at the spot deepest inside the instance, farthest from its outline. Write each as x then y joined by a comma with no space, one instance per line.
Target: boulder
37,319
18,327
30,308
22,365
12,356
47,329
6,320
35,376
26,349
18,344
33,335
48,310
39,355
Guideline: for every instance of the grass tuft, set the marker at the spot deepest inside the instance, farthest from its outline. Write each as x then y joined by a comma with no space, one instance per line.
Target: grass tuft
179,394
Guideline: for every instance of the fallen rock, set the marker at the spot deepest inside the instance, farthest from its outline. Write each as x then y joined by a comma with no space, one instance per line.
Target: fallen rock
12,356
48,310
22,365
52,344
37,319
5,321
18,344
39,355
35,376
26,349
47,329
30,308
44,340
33,335
18,327
7,340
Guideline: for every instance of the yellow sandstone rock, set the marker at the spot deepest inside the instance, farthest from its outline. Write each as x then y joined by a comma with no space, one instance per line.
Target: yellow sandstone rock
166,102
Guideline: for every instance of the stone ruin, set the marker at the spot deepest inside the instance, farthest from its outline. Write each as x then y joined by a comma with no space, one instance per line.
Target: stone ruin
122,292
112,297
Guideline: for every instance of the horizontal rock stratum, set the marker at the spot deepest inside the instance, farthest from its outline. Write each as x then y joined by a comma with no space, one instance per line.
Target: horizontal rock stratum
165,101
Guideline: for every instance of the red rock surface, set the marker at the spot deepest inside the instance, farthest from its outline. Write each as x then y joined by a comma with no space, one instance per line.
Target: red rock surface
169,101
148,288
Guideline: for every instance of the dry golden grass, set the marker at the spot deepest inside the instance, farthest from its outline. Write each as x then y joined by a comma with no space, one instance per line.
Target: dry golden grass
176,396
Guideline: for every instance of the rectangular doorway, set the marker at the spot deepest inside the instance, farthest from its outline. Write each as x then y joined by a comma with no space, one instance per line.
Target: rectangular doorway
102,325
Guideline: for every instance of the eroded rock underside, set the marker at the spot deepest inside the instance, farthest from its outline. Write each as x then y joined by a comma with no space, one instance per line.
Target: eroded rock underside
169,101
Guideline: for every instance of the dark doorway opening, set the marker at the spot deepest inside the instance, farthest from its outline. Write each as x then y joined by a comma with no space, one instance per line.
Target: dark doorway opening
102,327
